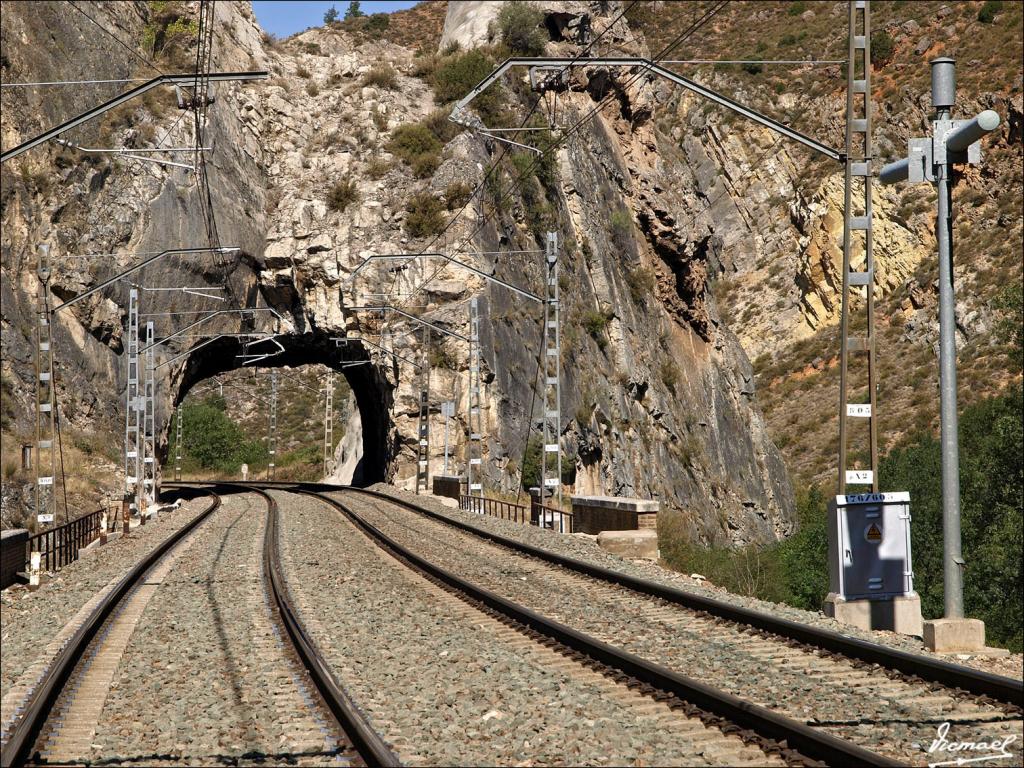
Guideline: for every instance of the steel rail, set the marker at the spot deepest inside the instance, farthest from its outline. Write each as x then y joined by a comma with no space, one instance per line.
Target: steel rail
806,740
121,99
16,750
953,675
350,718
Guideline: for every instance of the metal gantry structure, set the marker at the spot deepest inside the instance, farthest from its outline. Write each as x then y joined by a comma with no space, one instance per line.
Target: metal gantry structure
272,427
858,258
178,434
551,470
474,445
132,426
149,468
329,424
45,411
423,428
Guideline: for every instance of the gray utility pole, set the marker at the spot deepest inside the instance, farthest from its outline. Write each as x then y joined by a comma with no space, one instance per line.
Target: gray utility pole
551,470
474,446
149,421
272,426
858,250
132,430
46,403
952,141
329,424
423,434
177,442
447,410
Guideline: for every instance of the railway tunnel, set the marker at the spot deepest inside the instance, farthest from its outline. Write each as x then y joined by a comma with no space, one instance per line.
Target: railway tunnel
373,392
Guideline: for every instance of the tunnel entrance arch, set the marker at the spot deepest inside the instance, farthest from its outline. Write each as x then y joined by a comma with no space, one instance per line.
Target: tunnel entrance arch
373,391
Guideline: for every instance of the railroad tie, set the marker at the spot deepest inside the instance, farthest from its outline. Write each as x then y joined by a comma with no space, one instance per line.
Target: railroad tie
71,738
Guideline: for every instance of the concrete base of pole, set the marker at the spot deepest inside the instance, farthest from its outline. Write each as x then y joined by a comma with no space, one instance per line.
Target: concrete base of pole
955,635
897,614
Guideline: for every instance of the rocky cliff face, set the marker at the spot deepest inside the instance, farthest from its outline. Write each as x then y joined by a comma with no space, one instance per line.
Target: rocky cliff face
658,395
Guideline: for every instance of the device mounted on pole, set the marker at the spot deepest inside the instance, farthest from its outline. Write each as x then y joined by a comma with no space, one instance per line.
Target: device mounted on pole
932,160
857,407
474,446
551,445
46,403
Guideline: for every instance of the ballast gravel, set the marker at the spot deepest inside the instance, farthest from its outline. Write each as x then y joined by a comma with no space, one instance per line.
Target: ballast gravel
442,687
1009,665
206,678
29,619
887,716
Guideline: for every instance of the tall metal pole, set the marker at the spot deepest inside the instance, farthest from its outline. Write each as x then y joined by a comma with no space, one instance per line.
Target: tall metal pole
552,352
943,96
447,410
132,432
177,442
45,485
858,248
328,424
423,437
272,426
474,447
149,420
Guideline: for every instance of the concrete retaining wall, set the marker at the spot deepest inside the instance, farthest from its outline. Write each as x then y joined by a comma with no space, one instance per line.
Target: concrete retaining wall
593,514
12,555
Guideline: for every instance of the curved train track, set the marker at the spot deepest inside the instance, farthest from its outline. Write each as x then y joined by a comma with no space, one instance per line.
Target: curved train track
775,734
25,737
636,676
923,692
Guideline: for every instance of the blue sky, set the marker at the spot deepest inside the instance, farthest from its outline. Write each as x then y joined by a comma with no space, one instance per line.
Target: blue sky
286,17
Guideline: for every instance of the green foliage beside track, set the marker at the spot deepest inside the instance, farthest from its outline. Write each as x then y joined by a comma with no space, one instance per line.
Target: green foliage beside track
213,442
795,571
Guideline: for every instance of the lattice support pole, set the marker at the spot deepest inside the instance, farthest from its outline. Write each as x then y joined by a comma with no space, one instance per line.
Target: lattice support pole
329,424
132,426
857,406
46,455
272,426
149,423
474,446
551,455
423,433
178,433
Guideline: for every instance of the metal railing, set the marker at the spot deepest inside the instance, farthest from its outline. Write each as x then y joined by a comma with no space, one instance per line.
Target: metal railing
60,546
542,516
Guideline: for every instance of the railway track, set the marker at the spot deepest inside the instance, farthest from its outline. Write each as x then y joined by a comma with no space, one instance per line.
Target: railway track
774,735
461,684
882,708
247,658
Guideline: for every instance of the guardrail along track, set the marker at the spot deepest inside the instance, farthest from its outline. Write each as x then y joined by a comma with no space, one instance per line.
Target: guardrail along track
876,708
955,676
17,749
772,731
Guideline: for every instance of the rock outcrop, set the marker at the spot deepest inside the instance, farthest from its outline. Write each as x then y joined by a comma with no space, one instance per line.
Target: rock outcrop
658,395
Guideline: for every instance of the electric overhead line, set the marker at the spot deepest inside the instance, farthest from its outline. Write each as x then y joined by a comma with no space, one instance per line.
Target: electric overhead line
496,165
681,38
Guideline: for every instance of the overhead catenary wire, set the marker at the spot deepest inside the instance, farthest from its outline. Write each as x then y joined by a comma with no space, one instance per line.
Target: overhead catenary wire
496,165
74,82
682,37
